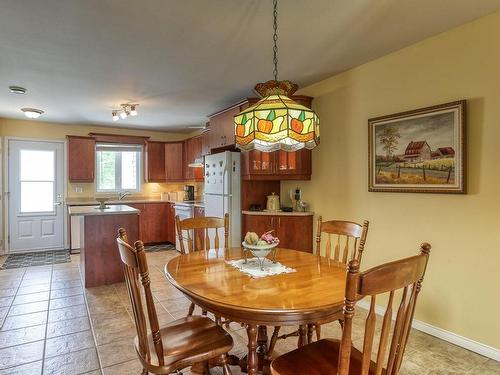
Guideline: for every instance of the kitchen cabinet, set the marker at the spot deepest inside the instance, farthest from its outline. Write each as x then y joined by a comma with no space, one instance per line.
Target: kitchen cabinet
192,152
174,161
294,231
277,165
205,141
155,162
221,134
81,158
199,233
154,222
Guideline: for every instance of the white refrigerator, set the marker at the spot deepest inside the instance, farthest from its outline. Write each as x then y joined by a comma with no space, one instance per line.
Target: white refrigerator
223,191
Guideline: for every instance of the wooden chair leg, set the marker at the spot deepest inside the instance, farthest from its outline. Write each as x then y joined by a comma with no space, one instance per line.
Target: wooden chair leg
341,322
318,331
191,309
274,338
204,312
310,330
225,367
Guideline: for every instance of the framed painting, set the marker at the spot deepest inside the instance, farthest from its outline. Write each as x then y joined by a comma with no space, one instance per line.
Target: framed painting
420,151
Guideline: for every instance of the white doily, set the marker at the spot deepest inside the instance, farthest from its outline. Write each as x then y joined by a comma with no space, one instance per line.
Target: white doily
252,267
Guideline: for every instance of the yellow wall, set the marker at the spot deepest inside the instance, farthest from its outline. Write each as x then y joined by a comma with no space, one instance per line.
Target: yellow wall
461,290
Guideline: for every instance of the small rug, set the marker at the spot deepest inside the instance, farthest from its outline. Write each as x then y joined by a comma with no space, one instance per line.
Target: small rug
254,268
38,258
160,247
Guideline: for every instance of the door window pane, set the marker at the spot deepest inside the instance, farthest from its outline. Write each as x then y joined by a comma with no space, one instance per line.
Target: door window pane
37,165
37,196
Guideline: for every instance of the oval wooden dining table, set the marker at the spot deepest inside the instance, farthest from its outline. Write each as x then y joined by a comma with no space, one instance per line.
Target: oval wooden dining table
314,292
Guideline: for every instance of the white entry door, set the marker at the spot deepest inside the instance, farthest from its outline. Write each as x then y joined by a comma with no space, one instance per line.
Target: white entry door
36,186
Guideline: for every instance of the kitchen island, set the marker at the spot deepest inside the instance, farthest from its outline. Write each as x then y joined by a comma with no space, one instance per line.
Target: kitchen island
100,262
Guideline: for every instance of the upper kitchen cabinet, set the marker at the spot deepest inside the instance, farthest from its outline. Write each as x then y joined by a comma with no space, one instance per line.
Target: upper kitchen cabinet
155,165
193,153
174,161
221,134
205,141
81,158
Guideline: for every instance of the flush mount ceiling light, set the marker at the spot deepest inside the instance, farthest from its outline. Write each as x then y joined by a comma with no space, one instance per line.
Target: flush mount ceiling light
276,122
17,90
124,111
32,112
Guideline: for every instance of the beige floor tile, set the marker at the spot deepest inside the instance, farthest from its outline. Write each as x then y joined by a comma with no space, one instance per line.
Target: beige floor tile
27,320
69,343
33,297
21,354
58,303
132,367
33,289
67,292
490,367
116,352
72,363
7,292
27,308
66,327
22,336
33,368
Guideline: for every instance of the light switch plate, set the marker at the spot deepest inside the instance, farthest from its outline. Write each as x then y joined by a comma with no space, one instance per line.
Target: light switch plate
78,189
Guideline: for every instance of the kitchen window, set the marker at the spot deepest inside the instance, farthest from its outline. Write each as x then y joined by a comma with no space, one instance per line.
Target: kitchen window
118,168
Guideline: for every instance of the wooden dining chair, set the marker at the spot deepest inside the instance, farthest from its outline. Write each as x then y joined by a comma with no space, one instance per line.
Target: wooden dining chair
341,357
345,240
200,228
184,342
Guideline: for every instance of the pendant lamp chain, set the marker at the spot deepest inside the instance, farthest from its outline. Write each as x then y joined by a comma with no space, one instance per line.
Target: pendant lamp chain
275,40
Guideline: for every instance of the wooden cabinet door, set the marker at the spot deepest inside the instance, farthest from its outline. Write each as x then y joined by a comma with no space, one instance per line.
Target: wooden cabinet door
205,142
188,159
81,159
295,232
142,221
258,164
174,161
171,223
199,233
294,164
155,166
258,224
222,128
156,226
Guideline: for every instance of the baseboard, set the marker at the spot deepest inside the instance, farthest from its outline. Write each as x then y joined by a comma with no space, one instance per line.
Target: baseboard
464,342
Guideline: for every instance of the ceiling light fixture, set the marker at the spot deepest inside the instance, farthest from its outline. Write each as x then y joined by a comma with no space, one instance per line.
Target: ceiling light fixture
276,122
32,112
124,111
17,90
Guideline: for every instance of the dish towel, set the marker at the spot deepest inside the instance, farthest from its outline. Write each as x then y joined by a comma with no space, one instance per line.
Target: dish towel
252,267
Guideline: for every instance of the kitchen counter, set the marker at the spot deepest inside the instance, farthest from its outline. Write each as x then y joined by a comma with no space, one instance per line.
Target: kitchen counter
277,213
119,209
100,262
90,201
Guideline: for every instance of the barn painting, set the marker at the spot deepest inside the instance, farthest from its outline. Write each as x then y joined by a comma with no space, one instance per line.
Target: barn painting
418,150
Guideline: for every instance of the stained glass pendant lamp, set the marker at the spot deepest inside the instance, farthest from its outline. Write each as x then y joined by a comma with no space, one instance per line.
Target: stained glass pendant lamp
276,122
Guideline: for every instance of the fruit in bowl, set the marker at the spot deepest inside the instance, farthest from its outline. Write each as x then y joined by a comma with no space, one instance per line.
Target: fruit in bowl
261,246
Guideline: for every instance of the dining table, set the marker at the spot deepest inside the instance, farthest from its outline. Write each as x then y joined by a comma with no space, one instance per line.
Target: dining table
311,292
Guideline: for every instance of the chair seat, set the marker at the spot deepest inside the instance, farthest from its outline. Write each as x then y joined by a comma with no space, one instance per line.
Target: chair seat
319,358
186,341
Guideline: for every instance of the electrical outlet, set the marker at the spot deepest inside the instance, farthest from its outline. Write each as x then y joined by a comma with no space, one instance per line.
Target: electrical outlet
78,189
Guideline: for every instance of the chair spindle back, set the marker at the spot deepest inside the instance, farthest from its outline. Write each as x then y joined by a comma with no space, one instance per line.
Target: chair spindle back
135,266
348,240
406,275
198,227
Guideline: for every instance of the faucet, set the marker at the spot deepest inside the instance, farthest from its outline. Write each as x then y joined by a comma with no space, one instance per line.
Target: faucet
123,194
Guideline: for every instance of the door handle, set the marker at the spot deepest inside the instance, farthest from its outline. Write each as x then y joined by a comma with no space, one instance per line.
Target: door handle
57,203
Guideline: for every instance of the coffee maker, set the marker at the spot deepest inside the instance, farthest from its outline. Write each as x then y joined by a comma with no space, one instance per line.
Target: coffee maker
188,193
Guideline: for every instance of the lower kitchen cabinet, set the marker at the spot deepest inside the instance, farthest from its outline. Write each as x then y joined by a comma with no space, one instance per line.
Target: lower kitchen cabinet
294,231
155,223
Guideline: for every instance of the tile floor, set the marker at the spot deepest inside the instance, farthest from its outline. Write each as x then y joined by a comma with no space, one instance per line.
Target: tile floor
51,325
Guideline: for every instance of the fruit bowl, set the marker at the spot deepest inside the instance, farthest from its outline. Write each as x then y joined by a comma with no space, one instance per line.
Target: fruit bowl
260,252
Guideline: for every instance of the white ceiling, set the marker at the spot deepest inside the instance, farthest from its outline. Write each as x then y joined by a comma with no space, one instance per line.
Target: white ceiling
182,60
